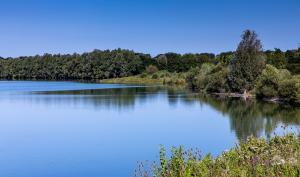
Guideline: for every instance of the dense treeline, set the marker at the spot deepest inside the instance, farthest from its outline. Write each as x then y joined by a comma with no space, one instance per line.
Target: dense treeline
96,65
121,63
173,62
289,59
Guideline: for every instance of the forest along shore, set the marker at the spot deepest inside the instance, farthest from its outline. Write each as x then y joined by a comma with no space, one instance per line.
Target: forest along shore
271,75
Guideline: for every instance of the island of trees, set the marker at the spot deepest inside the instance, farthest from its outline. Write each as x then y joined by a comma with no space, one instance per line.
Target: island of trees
271,74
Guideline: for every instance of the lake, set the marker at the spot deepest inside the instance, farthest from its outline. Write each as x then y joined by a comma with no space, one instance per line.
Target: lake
72,129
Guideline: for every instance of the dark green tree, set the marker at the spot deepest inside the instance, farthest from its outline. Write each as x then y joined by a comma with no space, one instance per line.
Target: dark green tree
248,63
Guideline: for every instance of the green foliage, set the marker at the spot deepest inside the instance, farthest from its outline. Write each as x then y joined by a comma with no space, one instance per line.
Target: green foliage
279,83
289,89
210,78
151,69
280,156
269,82
217,80
95,65
197,77
191,77
122,63
293,61
248,63
154,76
225,58
175,79
276,58
143,75
173,62
160,77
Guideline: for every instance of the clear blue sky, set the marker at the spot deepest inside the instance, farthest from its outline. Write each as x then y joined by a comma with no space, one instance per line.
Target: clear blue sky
30,27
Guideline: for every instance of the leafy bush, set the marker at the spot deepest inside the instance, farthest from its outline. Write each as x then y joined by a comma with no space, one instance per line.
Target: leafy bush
178,79
154,76
191,77
278,83
297,78
288,89
210,78
144,75
196,76
151,69
268,82
276,58
296,92
217,80
257,157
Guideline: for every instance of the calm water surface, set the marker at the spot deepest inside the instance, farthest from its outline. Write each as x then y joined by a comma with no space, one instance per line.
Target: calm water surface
69,129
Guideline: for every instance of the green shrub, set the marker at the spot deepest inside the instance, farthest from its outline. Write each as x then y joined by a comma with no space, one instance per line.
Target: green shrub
191,77
210,78
278,83
279,156
288,89
154,76
175,80
162,76
201,82
297,83
151,69
144,75
167,81
217,82
270,80
266,91
179,81
167,74
196,76
206,68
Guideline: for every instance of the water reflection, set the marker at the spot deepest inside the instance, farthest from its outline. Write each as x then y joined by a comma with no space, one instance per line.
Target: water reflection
252,117
88,131
113,99
246,118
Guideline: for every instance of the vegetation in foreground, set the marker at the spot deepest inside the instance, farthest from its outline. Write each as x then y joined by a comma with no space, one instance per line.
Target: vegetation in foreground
257,157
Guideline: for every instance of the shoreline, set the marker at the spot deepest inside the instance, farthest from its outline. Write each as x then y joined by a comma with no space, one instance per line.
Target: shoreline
159,81
247,96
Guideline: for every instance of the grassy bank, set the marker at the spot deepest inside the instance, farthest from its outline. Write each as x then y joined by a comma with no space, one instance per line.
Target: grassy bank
160,78
279,156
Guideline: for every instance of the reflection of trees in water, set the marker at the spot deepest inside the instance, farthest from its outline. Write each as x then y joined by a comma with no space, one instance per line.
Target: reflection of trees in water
116,98
253,117
246,118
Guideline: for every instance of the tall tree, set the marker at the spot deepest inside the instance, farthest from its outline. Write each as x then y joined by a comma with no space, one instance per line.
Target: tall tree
248,63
